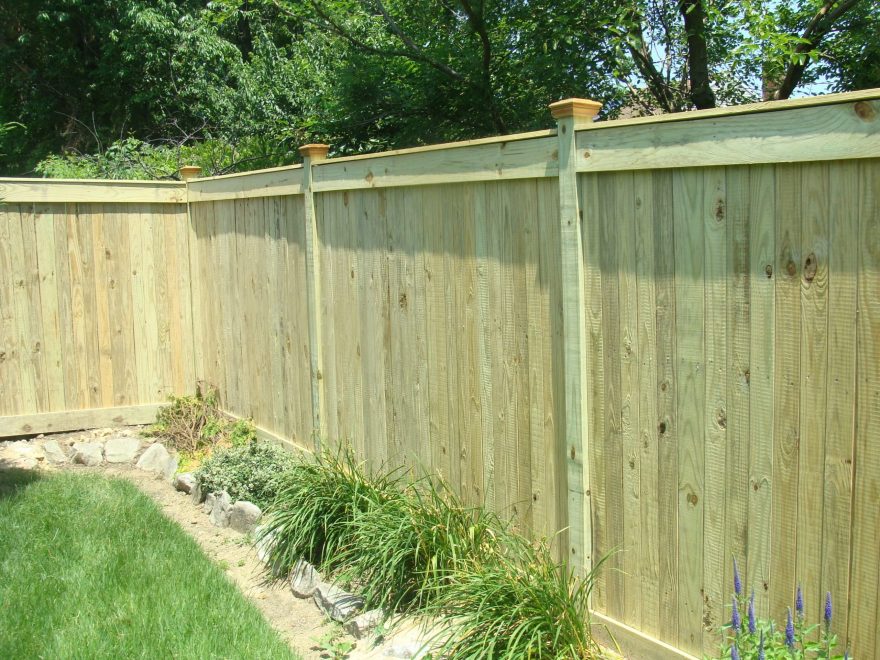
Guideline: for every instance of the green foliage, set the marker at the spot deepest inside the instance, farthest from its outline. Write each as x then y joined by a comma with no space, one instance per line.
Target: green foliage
316,502
334,646
74,586
747,637
195,424
523,607
251,471
413,547
401,552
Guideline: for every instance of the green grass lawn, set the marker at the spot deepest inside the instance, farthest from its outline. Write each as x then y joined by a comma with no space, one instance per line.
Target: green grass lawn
90,568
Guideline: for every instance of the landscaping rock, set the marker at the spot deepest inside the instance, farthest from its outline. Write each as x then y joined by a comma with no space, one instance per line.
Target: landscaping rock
304,579
244,516
55,453
185,482
221,510
198,496
264,545
337,603
171,468
121,449
364,624
155,459
209,503
88,453
26,450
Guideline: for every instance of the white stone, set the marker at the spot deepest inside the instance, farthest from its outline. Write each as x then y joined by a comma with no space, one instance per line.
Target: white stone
364,624
88,453
55,453
221,510
208,506
155,459
304,579
337,603
244,516
185,482
121,449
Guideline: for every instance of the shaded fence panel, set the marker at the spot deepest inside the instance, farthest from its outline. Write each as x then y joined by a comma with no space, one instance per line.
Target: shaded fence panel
95,309
251,320
439,335
733,329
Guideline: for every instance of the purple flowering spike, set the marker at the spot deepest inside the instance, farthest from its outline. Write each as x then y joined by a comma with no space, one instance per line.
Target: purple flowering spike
735,621
737,583
799,603
752,624
761,647
789,631
734,652
827,608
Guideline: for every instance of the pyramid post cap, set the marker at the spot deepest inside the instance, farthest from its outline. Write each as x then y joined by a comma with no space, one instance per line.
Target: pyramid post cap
188,172
315,151
577,108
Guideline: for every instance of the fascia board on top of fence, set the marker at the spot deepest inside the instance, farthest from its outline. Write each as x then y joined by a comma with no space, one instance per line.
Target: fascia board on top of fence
766,133
260,183
91,191
511,157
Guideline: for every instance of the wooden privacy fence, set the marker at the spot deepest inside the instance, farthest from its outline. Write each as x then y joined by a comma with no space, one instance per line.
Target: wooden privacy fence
660,336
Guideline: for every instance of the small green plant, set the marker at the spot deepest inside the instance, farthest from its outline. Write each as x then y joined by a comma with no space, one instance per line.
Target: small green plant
333,646
251,471
194,425
758,639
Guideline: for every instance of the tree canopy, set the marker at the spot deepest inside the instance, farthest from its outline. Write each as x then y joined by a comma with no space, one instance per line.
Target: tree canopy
132,88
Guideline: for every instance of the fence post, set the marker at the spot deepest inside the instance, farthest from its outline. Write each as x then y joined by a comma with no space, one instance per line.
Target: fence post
569,115
314,153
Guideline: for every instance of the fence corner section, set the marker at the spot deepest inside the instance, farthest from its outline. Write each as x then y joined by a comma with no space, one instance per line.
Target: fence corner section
314,153
569,115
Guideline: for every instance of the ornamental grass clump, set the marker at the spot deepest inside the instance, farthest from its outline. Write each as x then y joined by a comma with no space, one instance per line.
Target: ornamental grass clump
402,552
315,504
523,606
413,547
759,639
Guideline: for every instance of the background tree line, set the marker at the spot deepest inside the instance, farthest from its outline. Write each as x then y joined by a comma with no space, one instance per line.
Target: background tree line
133,88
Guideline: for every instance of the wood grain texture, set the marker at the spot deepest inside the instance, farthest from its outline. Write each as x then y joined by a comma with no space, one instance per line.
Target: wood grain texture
77,325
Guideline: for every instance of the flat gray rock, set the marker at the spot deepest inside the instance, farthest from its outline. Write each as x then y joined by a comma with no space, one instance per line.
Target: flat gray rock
185,482
364,624
171,468
26,449
244,516
222,509
337,603
155,459
304,579
121,449
198,496
54,452
88,453
208,506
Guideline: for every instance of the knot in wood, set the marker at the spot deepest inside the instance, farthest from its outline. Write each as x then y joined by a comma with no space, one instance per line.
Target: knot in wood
791,268
865,111
811,265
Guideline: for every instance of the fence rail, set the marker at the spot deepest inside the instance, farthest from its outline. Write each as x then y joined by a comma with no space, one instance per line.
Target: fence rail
658,337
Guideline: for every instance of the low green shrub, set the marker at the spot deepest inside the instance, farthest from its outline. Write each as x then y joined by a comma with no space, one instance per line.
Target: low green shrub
195,424
251,471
